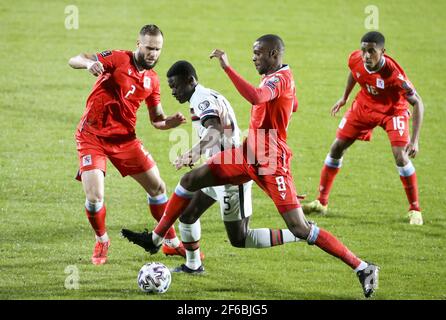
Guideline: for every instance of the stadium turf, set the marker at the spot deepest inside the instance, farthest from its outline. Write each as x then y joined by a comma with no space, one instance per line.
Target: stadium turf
45,236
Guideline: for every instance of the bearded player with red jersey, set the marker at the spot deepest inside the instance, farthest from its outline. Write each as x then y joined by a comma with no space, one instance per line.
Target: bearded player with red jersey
264,157
382,101
107,130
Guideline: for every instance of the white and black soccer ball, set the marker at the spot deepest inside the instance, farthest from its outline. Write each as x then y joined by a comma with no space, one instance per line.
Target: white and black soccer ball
154,277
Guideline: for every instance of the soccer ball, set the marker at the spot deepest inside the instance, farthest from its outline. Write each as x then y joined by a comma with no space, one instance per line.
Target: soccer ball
154,277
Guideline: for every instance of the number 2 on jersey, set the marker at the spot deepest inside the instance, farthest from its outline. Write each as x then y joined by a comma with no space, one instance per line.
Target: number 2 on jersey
131,91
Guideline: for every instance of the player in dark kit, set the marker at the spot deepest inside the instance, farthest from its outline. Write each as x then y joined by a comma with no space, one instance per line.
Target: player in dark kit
264,157
107,130
382,101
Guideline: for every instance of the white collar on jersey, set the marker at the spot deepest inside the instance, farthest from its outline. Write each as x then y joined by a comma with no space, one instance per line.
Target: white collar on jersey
383,62
198,89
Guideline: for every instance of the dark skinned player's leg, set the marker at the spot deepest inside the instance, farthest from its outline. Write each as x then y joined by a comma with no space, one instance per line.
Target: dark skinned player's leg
331,167
367,272
192,181
300,227
190,230
237,232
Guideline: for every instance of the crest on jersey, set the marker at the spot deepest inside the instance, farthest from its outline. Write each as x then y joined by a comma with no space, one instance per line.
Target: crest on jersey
105,53
147,82
380,83
358,74
204,105
401,77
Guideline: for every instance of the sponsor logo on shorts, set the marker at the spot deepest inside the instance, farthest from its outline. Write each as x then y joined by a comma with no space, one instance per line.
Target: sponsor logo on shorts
283,195
86,160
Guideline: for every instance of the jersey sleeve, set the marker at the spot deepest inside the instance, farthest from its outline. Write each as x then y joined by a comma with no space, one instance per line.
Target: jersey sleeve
276,85
108,58
205,109
155,97
249,92
403,84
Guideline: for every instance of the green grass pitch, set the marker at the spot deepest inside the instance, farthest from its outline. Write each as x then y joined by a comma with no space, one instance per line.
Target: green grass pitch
43,228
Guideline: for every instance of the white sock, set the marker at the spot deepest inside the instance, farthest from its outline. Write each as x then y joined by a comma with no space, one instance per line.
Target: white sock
261,238
288,236
103,238
193,259
157,240
191,233
173,243
361,266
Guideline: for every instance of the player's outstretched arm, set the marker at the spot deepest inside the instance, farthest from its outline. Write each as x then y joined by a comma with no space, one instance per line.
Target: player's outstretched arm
159,120
248,91
418,113
87,61
210,138
348,89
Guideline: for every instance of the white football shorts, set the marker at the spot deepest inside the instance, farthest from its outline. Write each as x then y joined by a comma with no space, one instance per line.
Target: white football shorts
235,201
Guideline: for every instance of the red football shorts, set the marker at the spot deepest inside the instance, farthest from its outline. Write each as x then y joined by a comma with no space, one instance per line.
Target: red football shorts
127,155
359,121
230,167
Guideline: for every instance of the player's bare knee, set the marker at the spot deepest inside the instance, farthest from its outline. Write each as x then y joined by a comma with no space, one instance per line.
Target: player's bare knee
337,150
94,195
238,241
187,180
158,189
401,159
188,218
300,231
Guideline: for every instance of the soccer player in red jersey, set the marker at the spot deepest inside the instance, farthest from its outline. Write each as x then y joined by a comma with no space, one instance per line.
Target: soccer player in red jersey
264,157
107,130
382,101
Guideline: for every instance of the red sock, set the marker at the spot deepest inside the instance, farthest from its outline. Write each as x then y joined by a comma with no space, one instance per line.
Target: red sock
411,187
157,211
174,208
97,221
330,244
327,177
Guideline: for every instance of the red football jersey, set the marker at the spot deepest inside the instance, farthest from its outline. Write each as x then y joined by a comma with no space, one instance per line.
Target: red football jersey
384,90
117,94
274,114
